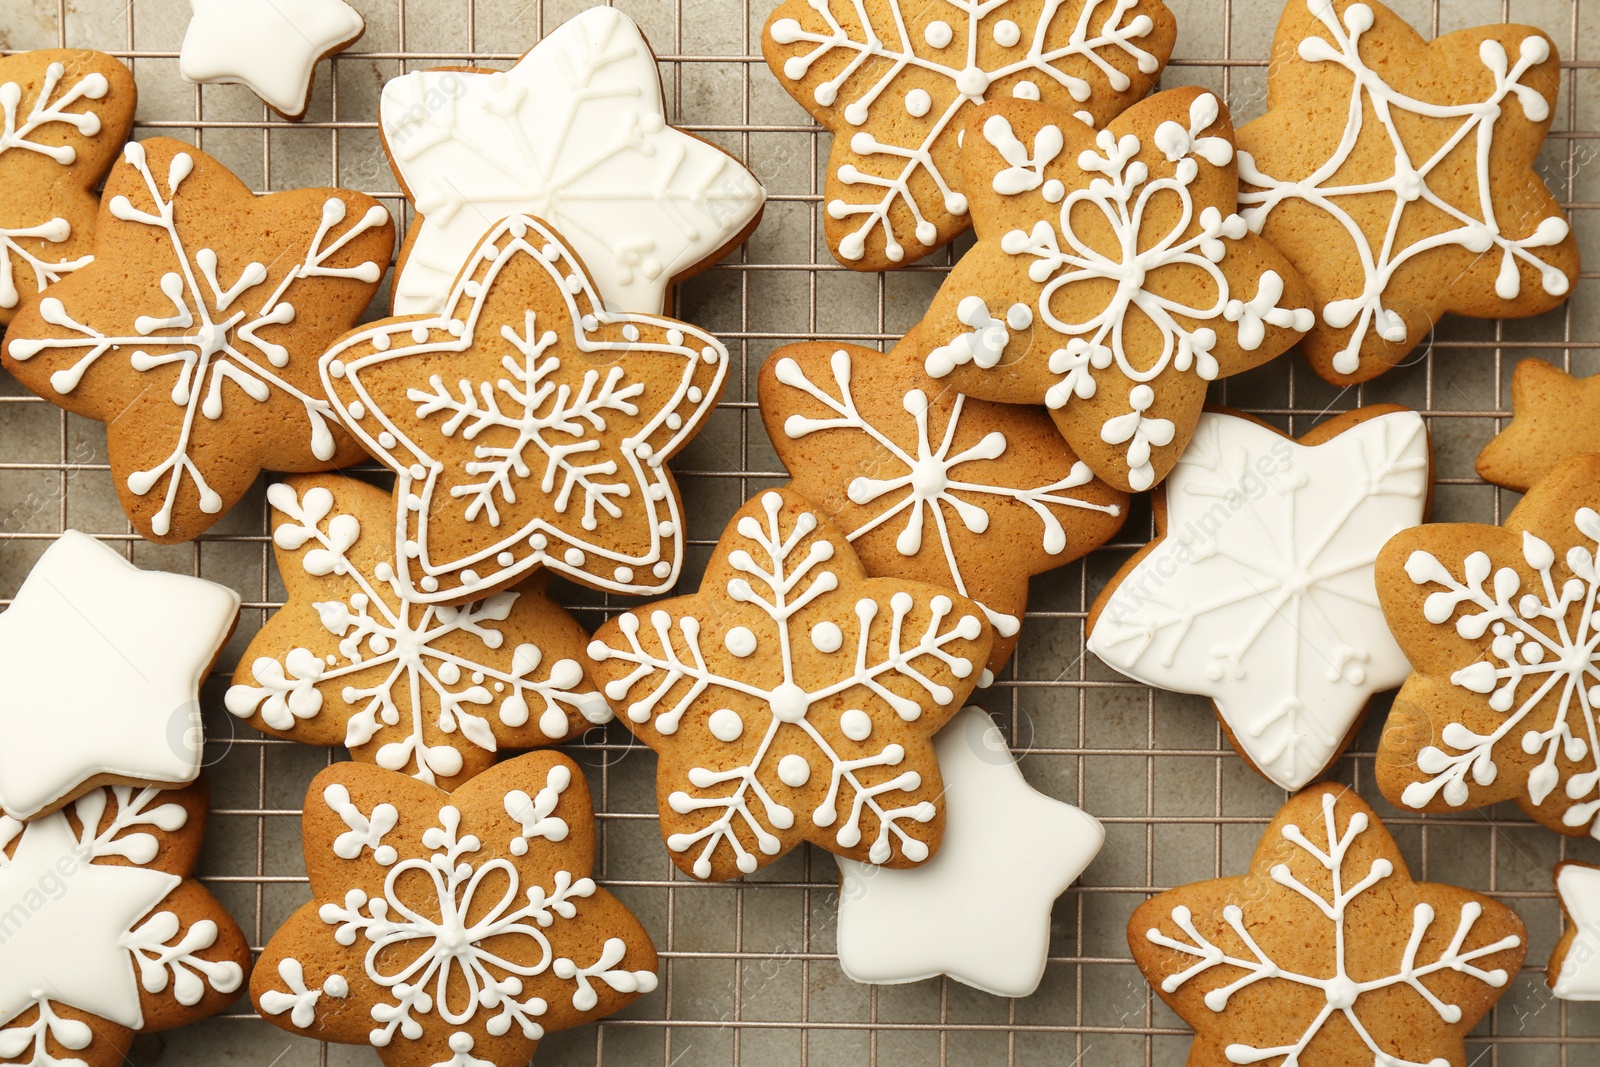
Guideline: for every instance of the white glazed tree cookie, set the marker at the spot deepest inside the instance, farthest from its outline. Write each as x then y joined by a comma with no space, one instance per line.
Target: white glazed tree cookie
272,47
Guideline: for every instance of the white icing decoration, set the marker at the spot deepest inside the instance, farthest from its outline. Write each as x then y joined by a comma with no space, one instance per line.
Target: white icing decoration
778,580
575,134
104,914
827,637
1074,44
855,724
918,102
1117,200
299,1001
1479,233
1261,595
269,46
1579,977
930,478
103,664
725,725
535,813
1343,993
464,970
461,1046
19,133
1544,636
216,348
554,408
456,654
1023,848
740,642
366,831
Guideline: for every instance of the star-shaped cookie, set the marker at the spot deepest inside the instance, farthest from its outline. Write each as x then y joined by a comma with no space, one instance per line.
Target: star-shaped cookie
793,698
1398,176
1326,953
994,926
576,134
194,333
931,485
105,934
452,928
1499,624
65,114
1574,972
1554,415
528,426
1111,280
103,664
272,47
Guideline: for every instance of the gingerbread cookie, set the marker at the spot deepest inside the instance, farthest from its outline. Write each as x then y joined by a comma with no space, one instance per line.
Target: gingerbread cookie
528,426
576,134
1554,415
451,928
1398,176
1327,954
103,663
1499,624
66,114
1258,590
1574,971
793,698
272,47
103,934
430,690
195,331
931,485
1111,280
895,82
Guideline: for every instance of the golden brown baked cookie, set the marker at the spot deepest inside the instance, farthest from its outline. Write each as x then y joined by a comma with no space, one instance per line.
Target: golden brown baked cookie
793,698
1554,415
1326,953
1398,176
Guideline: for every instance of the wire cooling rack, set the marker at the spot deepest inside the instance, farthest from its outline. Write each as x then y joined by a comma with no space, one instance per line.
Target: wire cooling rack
749,973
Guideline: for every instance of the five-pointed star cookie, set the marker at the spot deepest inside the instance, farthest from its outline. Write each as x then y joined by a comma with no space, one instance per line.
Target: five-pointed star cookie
793,698
1258,592
1132,282
895,82
1500,625
1009,851
353,660
576,134
272,47
65,114
452,928
1327,954
105,934
1554,415
1398,177
1574,971
194,333
529,427
103,664
932,485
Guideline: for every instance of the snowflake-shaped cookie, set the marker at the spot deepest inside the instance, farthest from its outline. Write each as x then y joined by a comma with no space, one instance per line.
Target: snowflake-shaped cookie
1327,954
528,426
1398,176
468,921
1259,592
1553,415
65,114
932,485
186,334
793,698
895,81
104,933
1500,626
431,690
1134,284
575,134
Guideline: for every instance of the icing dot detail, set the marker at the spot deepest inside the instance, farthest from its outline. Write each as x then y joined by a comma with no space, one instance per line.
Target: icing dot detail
725,725
938,34
740,641
826,636
1007,33
855,724
794,771
918,103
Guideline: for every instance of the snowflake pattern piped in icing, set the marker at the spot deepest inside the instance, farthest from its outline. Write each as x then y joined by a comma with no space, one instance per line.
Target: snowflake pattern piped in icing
1348,883
1098,55
791,751
435,681
1418,183
563,416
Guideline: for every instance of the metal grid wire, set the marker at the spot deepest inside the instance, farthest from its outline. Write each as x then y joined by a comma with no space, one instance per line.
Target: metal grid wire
749,974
